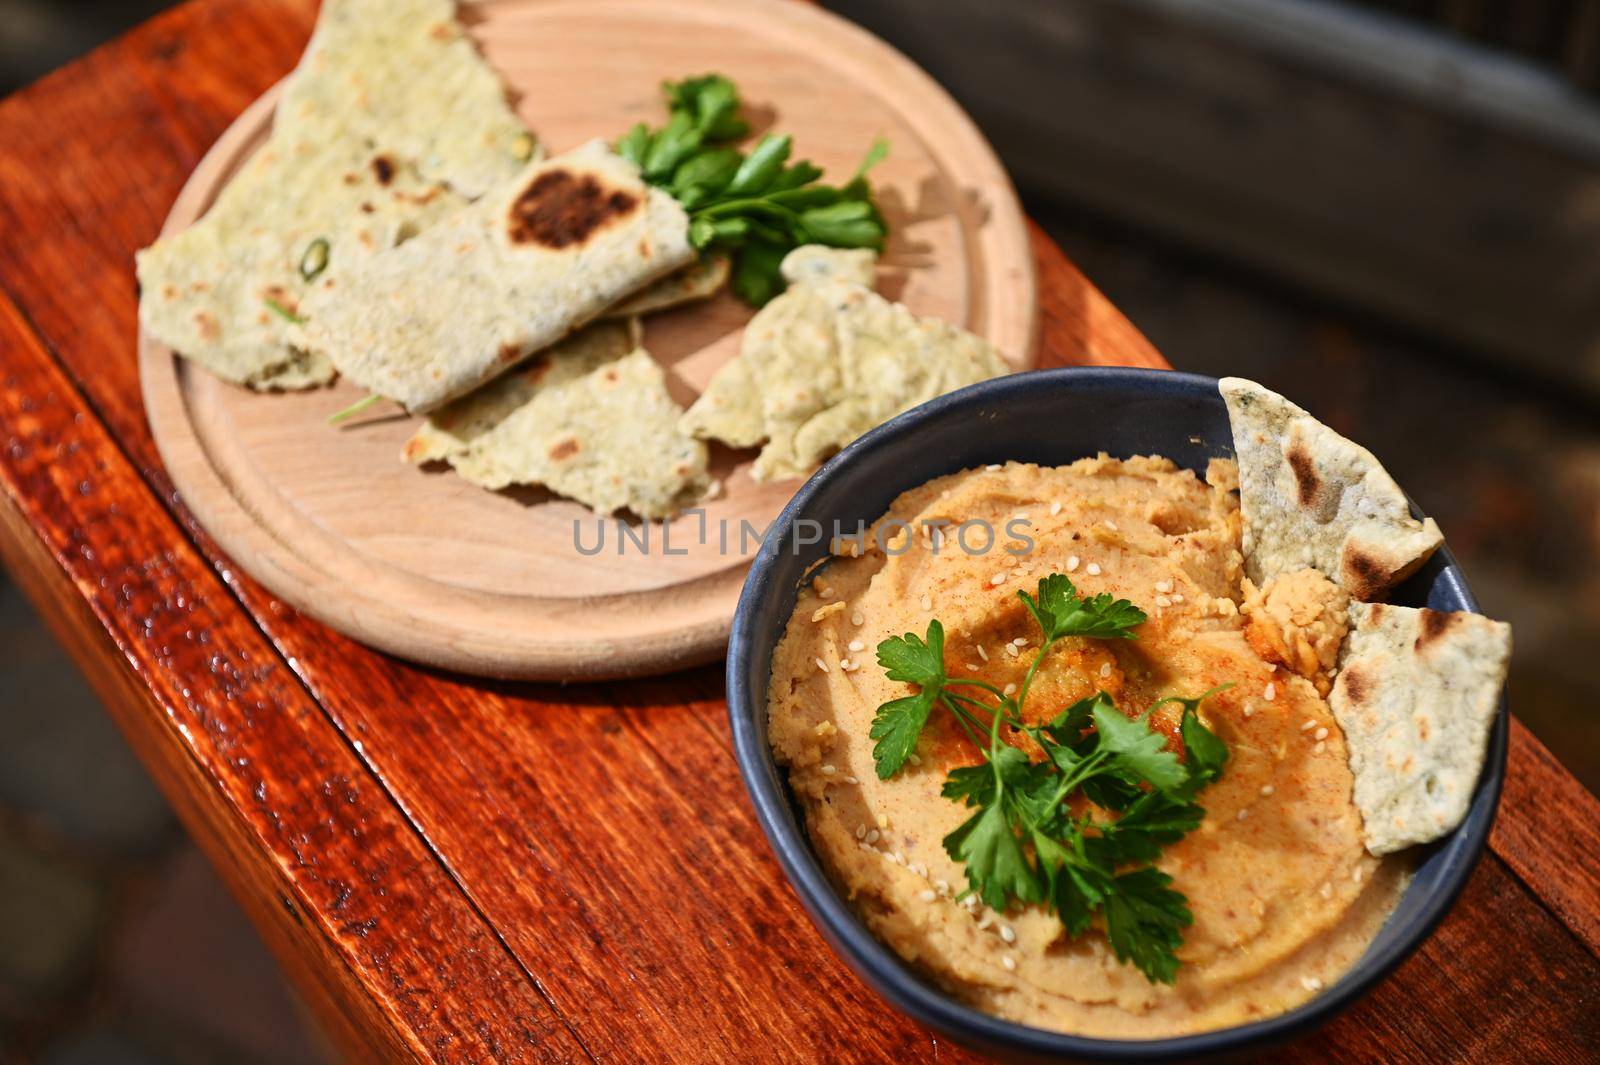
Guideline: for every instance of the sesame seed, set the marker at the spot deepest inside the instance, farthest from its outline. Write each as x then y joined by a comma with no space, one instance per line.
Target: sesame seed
1270,692
821,664
882,820
828,770
1163,586
845,664
986,920
1355,874
848,779
997,579
1326,890
1093,569
866,848
1011,649
1008,933
1321,734
1162,600
992,467
927,602
1105,669
1177,597
927,896
1111,525
1272,667
1267,789
1320,747
1243,814
897,858
1311,983
972,667
1248,709
915,759
1310,723
918,868
857,645
1010,963
970,901
861,832
856,618
873,835
942,887
982,653
1055,508
1010,689
824,591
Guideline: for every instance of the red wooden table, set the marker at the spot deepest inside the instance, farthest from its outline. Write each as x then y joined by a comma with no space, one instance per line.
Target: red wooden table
462,870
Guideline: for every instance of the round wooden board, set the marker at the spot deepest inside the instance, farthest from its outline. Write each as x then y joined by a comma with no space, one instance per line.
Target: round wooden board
422,564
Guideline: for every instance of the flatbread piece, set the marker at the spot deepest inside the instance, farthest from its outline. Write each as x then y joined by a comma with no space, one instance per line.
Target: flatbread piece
468,299
1416,696
1311,498
589,418
828,360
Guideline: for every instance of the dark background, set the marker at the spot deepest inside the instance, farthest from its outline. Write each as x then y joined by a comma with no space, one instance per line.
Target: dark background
1388,211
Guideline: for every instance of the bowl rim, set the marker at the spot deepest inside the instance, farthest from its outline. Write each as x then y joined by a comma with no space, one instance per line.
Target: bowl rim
877,964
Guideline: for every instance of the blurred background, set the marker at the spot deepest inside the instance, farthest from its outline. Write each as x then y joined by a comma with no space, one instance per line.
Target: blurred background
1388,211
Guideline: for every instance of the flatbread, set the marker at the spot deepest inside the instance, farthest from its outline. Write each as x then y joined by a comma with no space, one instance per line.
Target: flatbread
402,76
828,360
700,280
1416,696
1311,498
468,299
210,291
388,105
580,420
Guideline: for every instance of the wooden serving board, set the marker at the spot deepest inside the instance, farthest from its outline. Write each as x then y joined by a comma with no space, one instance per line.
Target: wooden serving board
426,566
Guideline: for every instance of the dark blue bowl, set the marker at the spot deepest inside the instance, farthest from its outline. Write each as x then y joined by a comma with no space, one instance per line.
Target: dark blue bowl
1050,417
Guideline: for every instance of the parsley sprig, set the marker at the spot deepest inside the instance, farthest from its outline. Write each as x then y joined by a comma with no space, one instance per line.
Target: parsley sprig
1023,844
757,204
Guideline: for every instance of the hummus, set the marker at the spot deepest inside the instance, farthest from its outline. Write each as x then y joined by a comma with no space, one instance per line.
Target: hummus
1284,895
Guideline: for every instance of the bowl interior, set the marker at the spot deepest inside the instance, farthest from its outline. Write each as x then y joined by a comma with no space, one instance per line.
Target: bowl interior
1049,417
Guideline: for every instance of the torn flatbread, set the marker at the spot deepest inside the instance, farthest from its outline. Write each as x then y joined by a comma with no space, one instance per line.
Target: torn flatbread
402,76
700,280
1416,696
464,302
828,360
388,104
589,418
222,291
1311,498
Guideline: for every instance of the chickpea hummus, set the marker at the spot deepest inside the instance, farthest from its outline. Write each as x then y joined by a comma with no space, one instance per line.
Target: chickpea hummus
1284,895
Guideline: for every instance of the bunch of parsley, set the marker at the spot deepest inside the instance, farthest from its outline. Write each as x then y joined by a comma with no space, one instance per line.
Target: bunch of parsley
758,205
1024,844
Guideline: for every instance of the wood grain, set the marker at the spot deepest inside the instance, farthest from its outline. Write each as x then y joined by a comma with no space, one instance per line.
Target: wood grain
532,870
425,565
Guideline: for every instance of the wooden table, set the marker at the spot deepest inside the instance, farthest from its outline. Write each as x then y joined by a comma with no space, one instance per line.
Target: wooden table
461,870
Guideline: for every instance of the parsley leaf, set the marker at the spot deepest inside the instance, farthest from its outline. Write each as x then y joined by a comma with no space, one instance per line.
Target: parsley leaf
896,727
899,722
1061,611
759,205
1145,919
1137,749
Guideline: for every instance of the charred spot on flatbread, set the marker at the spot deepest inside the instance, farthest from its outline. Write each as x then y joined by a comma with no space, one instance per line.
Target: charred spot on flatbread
564,449
383,169
559,209
1307,484
509,352
1432,625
